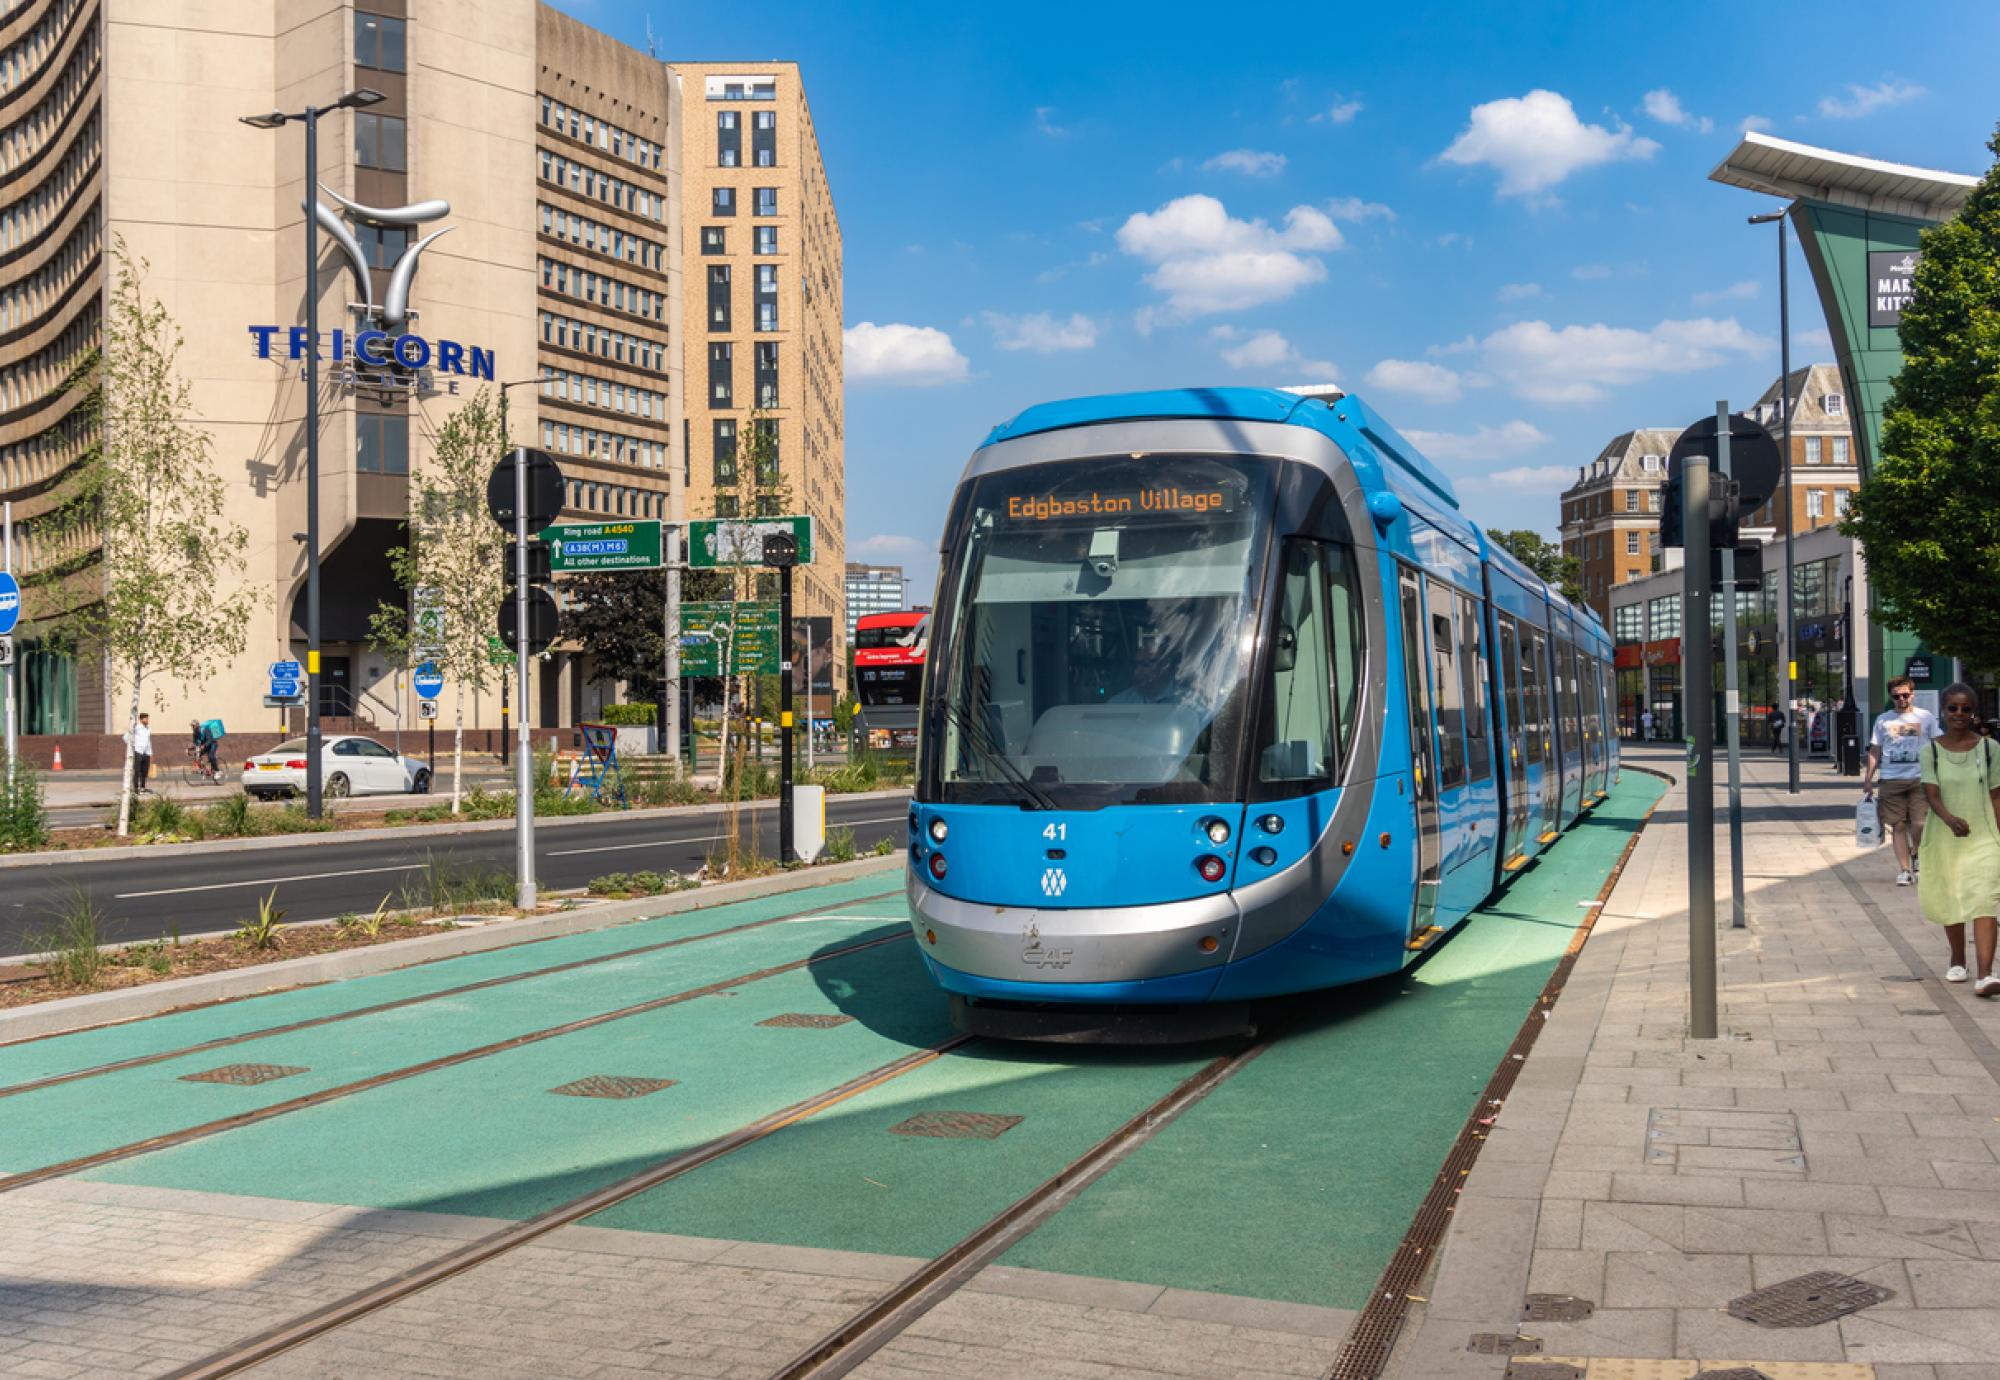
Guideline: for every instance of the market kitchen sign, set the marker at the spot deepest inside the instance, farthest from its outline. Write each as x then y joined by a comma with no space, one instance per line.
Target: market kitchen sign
1892,275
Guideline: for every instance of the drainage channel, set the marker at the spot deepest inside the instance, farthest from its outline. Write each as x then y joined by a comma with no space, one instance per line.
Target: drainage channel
257,1073
224,1041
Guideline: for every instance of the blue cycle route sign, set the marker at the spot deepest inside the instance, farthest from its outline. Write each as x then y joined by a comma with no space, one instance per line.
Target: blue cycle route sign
428,681
10,603
286,678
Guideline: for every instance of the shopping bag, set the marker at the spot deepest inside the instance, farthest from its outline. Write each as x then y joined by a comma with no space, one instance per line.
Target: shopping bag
1867,824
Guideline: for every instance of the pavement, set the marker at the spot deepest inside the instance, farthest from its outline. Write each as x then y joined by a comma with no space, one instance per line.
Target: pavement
77,798
1847,1120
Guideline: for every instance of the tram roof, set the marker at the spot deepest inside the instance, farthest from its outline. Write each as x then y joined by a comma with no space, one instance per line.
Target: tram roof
1338,416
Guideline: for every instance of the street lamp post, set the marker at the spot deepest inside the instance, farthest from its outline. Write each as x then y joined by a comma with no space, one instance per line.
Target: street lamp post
506,445
309,117
1786,648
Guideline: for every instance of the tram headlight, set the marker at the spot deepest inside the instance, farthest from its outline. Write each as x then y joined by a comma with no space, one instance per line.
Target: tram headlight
938,830
937,866
1272,824
1217,831
1209,866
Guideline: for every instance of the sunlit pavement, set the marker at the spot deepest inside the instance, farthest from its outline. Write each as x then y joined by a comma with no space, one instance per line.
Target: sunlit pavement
1847,1121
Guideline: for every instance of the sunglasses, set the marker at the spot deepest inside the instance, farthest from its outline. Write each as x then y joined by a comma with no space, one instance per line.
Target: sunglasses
1960,709
1902,695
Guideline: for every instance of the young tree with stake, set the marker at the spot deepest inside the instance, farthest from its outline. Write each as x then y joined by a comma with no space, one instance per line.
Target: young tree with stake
452,563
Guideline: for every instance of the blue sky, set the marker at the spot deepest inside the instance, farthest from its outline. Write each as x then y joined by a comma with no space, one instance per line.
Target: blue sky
1493,222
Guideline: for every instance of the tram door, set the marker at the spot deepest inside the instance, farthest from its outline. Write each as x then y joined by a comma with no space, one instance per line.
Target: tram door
1542,672
1513,841
1423,749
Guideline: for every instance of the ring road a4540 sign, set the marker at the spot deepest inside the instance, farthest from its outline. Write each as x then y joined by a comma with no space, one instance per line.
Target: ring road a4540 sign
582,546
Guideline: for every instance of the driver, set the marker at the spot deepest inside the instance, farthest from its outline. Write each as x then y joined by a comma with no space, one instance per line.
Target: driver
1153,679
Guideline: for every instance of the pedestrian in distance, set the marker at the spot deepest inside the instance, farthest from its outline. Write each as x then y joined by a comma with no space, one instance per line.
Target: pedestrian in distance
1895,752
1777,729
1961,875
1646,726
140,739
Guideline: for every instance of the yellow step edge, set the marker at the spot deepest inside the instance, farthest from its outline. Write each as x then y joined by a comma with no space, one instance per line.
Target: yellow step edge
1550,837
1515,863
1427,938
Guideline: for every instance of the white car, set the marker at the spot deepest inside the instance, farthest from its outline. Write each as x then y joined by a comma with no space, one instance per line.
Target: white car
349,765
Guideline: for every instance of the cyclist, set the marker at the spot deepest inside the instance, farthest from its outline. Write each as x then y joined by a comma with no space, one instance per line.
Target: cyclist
206,747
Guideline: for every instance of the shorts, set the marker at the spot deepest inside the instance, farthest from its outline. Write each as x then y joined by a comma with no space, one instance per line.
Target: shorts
1902,803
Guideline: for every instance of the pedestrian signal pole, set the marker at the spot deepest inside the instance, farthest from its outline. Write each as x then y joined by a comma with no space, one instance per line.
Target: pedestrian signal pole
1698,705
1732,706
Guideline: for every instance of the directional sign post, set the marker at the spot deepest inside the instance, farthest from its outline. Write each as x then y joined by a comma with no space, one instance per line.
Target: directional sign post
751,629
714,542
287,681
576,547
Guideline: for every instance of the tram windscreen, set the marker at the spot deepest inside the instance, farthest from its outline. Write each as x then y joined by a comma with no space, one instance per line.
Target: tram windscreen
1101,629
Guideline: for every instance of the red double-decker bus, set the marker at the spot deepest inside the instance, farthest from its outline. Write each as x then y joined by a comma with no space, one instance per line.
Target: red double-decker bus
889,674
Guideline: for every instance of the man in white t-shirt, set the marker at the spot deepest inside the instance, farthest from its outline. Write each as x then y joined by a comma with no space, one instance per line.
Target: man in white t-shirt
141,740
1896,754
1646,725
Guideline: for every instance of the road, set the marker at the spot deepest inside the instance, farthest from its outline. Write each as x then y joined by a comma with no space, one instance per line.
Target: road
147,895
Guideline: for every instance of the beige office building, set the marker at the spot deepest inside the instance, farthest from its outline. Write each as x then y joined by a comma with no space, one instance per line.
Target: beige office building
762,345
557,152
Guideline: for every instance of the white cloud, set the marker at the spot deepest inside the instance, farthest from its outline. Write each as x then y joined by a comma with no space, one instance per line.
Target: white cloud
1041,332
889,549
1341,112
1531,477
1249,162
1590,273
1866,100
1578,364
1045,123
1751,122
1535,141
1816,338
1266,351
1431,382
1206,261
898,353
1664,106
1502,442
1519,292
1735,292
1353,208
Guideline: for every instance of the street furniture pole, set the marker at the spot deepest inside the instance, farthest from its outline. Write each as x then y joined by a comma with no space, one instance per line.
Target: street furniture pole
670,555
786,853
524,767
1791,515
313,766
1731,697
1697,695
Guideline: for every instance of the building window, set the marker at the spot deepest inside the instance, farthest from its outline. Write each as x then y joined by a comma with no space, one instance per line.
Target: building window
767,239
728,139
379,142
722,201
764,138
1812,450
718,297
767,373
715,239
1632,542
381,443
725,505
1834,405
1815,504
1840,450
1631,500
1841,498
767,201
1652,464
383,245
767,297
378,42
769,464
725,452
721,373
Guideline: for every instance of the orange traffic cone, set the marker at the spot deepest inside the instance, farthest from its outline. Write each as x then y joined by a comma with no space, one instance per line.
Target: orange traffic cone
58,765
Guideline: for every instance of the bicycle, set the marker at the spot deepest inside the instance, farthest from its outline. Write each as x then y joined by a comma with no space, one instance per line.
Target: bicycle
197,771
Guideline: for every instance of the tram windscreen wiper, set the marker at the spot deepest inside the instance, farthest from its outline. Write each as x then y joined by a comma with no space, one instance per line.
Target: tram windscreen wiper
977,737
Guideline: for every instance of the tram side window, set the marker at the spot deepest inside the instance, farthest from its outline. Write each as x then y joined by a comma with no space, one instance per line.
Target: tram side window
1535,678
1348,635
1450,689
1298,718
1472,671
1567,700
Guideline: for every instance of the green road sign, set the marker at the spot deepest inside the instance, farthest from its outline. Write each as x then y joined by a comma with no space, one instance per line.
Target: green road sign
581,546
750,628
716,542
497,652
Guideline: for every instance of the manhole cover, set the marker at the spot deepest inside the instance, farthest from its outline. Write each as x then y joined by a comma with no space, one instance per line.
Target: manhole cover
244,1075
1503,1344
612,1085
806,1020
1732,1373
956,1125
1556,1308
1809,1300
1544,1370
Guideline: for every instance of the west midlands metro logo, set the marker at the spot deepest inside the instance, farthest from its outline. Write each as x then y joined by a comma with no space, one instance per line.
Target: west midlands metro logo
384,342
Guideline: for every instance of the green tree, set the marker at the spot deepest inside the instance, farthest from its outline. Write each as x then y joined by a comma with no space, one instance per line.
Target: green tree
619,616
1545,558
1926,514
168,602
451,562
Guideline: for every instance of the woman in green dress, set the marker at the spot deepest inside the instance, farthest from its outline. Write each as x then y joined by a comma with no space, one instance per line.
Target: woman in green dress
1960,878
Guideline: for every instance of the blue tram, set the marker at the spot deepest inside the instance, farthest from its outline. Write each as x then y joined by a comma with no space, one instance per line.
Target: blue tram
1227,699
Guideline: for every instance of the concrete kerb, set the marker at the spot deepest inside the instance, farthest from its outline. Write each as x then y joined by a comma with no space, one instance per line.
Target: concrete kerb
58,856
104,1008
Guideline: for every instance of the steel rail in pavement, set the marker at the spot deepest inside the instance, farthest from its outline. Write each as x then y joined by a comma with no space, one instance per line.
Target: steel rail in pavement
224,1041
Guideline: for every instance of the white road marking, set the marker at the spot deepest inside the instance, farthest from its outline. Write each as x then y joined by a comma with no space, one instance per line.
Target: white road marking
268,881
702,838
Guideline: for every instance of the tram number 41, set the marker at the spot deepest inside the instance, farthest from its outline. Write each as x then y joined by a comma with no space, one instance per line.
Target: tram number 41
1056,832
